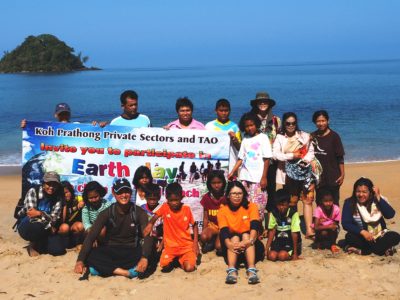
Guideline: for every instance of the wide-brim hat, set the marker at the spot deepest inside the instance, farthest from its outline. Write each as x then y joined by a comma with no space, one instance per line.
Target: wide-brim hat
262,96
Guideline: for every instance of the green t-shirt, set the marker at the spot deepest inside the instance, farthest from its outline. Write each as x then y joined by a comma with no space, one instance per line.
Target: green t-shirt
294,227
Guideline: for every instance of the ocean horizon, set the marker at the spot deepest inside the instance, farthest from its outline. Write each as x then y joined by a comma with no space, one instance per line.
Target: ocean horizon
362,98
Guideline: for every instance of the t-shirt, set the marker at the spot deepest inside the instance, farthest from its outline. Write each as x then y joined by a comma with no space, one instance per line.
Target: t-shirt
158,225
329,151
294,222
138,122
211,206
237,221
193,125
89,214
177,232
328,220
228,127
253,150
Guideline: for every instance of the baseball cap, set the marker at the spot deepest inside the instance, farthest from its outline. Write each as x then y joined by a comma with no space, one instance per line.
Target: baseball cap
121,183
51,177
62,107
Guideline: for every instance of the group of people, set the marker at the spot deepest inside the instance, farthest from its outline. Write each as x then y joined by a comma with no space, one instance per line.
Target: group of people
130,236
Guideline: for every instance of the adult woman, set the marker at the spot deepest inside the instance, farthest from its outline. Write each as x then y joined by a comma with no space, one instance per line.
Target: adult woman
239,225
329,152
363,218
141,178
293,148
40,217
262,106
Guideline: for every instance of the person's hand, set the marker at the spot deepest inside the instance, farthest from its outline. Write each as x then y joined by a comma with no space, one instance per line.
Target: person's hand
160,246
166,127
142,265
233,137
340,180
367,236
196,249
377,193
233,247
147,229
102,124
231,176
297,154
33,213
79,267
81,204
263,183
23,123
94,244
333,226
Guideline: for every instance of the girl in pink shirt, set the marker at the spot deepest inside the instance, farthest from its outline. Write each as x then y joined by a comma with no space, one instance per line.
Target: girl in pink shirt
326,222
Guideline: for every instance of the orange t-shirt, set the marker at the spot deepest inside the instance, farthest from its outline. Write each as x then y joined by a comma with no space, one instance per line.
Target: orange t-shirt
237,221
176,228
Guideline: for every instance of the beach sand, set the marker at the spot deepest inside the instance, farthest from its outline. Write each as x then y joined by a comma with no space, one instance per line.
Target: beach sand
319,275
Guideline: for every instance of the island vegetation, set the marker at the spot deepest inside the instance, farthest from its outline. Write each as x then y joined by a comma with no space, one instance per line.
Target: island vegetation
43,53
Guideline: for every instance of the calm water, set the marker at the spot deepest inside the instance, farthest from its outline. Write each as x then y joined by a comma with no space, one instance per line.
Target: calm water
362,99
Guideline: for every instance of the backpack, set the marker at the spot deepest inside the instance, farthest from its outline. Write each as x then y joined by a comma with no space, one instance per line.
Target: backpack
132,213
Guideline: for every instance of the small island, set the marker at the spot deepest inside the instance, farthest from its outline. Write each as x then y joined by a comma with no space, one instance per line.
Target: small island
44,53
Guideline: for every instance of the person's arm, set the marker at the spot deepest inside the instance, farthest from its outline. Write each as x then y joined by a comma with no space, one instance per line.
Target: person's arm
235,169
277,150
271,235
23,123
148,228
310,151
85,218
30,202
94,232
348,220
340,180
263,181
295,238
205,218
234,139
196,239
64,214
148,241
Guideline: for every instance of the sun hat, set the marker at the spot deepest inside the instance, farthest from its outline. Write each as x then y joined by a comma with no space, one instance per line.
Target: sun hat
62,107
262,96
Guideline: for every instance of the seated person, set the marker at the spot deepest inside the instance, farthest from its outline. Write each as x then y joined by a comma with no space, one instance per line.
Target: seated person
326,222
363,217
178,242
239,223
284,240
121,252
40,217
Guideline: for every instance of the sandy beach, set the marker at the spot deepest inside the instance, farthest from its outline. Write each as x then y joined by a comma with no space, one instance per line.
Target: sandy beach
319,275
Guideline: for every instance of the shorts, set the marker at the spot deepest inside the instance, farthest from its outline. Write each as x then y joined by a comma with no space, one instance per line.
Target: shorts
168,255
297,191
285,244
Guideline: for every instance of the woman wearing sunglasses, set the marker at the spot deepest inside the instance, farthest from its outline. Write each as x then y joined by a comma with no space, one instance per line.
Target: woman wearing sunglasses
295,152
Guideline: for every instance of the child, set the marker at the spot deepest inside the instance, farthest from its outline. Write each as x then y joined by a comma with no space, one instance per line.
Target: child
211,203
141,178
223,123
326,222
253,161
178,243
71,216
284,240
93,194
153,194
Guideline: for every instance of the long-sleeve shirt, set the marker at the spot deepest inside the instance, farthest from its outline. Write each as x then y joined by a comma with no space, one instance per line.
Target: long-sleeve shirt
123,234
51,207
89,214
350,224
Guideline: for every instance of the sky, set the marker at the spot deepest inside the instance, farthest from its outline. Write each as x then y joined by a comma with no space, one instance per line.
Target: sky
175,33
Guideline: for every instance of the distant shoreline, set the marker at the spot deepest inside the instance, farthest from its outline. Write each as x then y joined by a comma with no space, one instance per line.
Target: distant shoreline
45,72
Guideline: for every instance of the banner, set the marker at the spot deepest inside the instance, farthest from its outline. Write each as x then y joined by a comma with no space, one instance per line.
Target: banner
81,153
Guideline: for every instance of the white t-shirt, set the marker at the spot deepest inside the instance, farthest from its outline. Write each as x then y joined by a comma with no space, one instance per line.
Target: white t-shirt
252,152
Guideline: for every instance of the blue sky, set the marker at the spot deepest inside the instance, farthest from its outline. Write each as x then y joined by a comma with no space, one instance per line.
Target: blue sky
159,33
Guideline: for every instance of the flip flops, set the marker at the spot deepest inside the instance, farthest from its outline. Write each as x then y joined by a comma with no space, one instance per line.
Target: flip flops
133,273
335,249
253,277
231,277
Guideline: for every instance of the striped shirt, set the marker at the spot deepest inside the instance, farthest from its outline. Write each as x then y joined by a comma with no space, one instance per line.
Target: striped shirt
89,214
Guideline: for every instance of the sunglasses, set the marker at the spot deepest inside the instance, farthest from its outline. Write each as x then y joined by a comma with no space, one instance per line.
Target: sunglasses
290,123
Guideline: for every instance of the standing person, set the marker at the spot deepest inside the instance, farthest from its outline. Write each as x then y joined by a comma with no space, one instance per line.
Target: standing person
253,161
121,252
193,170
184,108
239,226
40,217
223,123
262,107
62,114
178,242
363,217
130,116
293,148
329,151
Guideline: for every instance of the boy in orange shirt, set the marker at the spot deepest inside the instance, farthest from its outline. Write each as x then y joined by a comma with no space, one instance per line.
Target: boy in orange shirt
178,242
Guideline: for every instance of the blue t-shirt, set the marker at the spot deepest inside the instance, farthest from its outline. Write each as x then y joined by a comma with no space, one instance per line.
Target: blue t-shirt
138,122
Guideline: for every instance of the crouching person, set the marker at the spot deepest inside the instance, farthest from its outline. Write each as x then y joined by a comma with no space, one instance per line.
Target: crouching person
120,253
40,217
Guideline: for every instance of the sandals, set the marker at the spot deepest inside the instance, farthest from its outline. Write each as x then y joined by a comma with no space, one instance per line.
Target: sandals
253,277
231,277
133,273
390,251
335,249
93,271
351,250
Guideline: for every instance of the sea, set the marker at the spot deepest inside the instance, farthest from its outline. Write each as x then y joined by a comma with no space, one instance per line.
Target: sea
362,98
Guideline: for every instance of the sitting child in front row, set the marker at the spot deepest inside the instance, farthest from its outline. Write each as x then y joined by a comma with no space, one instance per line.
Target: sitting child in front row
284,239
326,222
178,242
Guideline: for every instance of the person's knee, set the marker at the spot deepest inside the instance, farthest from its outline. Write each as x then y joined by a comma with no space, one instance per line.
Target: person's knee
55,246
77,227
188,267
272,256
205,236
63,229
283,255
